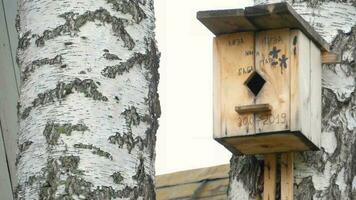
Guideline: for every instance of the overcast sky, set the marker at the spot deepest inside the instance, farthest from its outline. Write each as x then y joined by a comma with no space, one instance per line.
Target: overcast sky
184,138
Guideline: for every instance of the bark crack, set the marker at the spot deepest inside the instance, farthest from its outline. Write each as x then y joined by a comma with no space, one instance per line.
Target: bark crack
24,41
53,131
152,100
73,23
57,60
150,60
22,148
127,140
63,171
305,189
110,56
117,177
131,116
129,7
248,170
95,150
119,69
87,86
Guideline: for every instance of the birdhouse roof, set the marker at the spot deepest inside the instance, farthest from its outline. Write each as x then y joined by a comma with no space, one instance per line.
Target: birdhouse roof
258,18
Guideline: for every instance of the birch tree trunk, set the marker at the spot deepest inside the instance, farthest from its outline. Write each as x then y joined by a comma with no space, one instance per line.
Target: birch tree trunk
329,174
89,104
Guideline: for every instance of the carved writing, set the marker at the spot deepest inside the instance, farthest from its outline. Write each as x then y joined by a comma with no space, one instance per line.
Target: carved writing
249,53
262,119
272,40
236,41
244,70
267,119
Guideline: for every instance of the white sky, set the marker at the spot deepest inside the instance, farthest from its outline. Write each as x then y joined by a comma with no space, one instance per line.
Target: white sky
184,138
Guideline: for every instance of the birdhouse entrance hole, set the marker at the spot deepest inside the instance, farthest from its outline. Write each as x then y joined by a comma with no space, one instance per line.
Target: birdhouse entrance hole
255,83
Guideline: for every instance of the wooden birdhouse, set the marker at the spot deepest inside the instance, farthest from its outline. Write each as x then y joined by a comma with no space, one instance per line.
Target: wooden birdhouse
267,79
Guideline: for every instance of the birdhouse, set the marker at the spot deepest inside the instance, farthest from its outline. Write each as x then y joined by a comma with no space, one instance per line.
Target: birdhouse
267,79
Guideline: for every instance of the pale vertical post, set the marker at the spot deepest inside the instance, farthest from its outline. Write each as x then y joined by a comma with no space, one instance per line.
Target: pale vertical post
287,176
270,170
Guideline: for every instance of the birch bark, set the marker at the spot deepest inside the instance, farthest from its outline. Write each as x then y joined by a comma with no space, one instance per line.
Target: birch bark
89,105
329,174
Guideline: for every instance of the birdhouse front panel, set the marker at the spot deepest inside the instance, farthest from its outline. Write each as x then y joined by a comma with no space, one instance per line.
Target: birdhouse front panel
273,64
234,64
262,91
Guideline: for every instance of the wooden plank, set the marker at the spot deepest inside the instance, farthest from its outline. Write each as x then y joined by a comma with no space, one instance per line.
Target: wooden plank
315,94
305,86
300,86
295,122
257,18
268,143
217,123
234,61
330,58
256,108
270,170
183,184
225,21
205,189
287,176
273,64
282,15
193,175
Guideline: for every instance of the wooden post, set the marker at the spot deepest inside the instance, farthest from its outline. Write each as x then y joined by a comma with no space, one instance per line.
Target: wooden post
270,168
287,176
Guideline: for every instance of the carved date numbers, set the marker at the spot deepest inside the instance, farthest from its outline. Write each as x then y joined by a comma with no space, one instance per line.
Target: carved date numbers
262,119
266,120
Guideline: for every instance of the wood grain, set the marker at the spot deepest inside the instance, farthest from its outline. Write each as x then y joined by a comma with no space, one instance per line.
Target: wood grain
315,94
268,143
295,122
287,176
276,90
256,108
270,170
330,58
258,18
286,62
300,84
234,61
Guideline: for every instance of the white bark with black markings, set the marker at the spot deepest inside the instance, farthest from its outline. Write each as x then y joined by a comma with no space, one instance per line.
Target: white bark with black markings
89,105
331,172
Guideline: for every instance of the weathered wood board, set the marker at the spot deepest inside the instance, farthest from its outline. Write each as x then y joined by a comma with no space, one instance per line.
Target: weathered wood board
273,63
287,176
226,21
266,143
234,62
330,58
258,18
270,172
300,83
315,93
206,183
